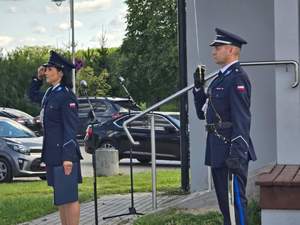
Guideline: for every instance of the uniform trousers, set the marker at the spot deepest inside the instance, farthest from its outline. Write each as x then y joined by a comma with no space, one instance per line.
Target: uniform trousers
220,178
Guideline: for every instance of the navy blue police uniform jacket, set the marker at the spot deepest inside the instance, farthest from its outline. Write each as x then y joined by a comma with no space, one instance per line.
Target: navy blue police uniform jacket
229,96
60,123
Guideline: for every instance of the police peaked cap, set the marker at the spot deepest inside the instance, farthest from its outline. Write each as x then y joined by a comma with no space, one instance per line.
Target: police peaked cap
59,62
224,37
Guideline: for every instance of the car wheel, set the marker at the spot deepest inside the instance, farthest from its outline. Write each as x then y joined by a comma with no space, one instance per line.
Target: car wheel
144,160
5,171
43,177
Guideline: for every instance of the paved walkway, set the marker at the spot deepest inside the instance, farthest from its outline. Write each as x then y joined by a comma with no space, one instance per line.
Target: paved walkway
113,205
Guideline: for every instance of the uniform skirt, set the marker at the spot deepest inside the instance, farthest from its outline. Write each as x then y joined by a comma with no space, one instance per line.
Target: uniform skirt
50,174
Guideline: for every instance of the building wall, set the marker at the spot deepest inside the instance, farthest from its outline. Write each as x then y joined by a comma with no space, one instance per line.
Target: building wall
253,20
287,99
280,217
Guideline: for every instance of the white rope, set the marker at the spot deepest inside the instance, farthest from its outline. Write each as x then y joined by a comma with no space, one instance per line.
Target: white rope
196,28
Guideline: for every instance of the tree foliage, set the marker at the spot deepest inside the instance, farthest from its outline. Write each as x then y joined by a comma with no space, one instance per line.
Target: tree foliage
19,66
147,60
97,85
150,49
16,70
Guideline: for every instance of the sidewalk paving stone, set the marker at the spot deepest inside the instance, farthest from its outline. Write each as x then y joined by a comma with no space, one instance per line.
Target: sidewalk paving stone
113,205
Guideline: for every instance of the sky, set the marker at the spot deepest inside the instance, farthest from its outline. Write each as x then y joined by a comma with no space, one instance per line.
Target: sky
42,22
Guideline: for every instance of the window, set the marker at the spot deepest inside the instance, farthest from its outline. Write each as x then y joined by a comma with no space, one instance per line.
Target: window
140,123
161,123
14,130
99,106
120,121
84,107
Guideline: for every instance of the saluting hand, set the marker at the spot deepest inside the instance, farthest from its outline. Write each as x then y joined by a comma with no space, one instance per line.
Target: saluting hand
41,72
68,165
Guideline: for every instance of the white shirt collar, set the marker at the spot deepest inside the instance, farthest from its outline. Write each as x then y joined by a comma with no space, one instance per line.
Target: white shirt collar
223,69
55,86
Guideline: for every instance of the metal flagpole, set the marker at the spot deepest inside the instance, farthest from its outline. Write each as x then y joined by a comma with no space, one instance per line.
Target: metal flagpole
73,42
198,54
58,3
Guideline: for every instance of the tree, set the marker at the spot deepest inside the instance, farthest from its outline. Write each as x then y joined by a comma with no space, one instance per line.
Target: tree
87,56
98,85
102,63
102,53
150,49
97,58
19,65
16,71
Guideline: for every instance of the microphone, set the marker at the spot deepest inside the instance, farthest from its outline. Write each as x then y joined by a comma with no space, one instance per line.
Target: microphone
91,115
121,79
83,84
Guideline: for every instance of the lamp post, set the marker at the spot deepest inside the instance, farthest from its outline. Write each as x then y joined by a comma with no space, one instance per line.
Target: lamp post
58,3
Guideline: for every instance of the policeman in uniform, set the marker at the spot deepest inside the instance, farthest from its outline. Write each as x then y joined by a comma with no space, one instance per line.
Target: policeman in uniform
226,108
60,121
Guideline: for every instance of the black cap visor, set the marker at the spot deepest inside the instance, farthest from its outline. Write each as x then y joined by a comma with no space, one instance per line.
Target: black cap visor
219,43
52,64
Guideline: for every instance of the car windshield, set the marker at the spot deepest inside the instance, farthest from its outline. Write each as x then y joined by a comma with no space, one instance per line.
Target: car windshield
12,129
6,114
125,105
17,113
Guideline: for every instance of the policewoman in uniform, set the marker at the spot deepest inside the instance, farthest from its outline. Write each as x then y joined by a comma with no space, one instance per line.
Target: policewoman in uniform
59,115
226,107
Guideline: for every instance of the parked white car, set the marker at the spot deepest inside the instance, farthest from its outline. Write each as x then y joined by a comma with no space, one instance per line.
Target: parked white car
20,151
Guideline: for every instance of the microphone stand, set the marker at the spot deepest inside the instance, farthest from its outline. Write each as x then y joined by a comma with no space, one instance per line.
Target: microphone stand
132,210
93,121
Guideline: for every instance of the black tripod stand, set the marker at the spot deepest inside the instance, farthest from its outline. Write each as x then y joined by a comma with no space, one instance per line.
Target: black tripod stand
93,118
132,210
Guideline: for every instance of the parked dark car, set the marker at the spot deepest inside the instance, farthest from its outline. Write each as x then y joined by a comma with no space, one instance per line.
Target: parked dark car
20,151
106,108
22,118
112,135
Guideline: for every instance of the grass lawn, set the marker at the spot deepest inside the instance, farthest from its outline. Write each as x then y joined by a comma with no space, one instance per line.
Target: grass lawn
179,217
24,201
175,217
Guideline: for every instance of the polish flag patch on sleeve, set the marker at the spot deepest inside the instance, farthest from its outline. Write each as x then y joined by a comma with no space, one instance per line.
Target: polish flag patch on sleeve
72,105
241,88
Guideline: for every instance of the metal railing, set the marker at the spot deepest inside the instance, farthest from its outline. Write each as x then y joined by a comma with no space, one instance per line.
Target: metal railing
278,62
182,91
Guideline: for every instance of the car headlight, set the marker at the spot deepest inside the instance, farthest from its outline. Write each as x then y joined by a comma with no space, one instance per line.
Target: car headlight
18,148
